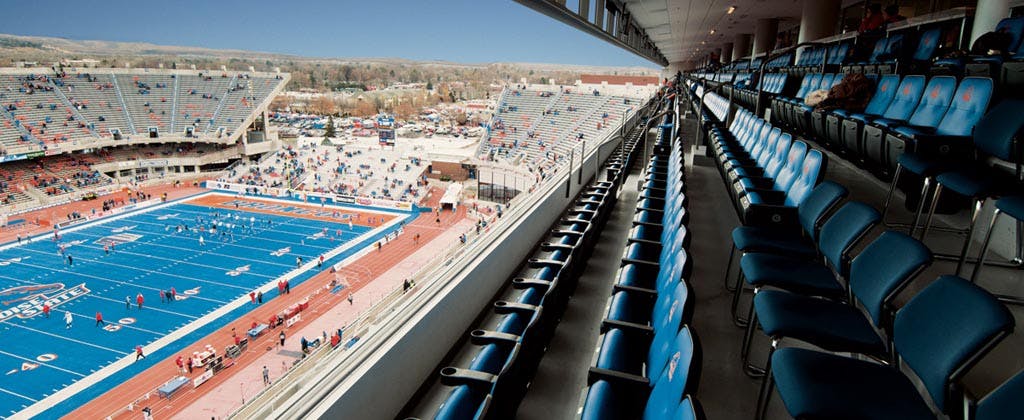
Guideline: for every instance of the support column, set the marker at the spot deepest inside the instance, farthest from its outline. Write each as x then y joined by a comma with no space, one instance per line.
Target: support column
718,53
764,35
741,46
726,53
987,16
818,19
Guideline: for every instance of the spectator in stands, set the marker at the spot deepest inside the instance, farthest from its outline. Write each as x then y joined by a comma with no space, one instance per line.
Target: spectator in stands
892,14
873,18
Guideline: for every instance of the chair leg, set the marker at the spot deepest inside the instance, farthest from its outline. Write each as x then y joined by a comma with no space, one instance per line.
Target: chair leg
748,340
892,189
926,185
931,210
764,395
978,204
984,247
728,268
740,279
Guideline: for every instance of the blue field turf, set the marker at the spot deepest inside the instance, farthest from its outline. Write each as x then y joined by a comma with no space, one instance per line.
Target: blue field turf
153,257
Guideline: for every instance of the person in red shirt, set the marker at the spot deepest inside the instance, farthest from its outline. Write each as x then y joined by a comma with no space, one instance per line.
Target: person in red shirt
181,364
99,319
873,18
46,310
138,353
139,300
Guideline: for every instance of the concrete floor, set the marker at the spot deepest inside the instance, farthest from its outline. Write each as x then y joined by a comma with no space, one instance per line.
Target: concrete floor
725,391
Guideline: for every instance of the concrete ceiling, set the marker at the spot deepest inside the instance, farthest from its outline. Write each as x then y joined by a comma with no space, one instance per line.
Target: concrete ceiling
679,27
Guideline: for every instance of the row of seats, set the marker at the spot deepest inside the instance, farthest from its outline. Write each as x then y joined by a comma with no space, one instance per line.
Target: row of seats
489,371
810,287
810,284
770,84
648,362
766,172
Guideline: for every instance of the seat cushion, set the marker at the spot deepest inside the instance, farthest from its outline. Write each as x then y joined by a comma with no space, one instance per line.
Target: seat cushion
1012,206
920,165
861,117
820,385
911,131
830,325
793,274
842,113
886,123
969,182
754,239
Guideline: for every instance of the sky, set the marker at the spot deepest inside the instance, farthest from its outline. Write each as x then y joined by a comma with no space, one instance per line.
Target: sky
463,31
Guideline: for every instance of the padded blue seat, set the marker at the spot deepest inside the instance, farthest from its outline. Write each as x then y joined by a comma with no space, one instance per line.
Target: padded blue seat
1013,206
911,131
821,322
969,183
920,165
1004,402
821,385
754,239
801,276
938,335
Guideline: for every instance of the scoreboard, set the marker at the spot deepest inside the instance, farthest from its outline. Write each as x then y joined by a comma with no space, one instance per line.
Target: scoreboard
386,130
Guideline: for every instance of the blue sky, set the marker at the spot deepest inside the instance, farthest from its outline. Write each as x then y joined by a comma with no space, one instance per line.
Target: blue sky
455,30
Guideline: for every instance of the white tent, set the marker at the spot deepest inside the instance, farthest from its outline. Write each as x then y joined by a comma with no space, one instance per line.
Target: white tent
451,195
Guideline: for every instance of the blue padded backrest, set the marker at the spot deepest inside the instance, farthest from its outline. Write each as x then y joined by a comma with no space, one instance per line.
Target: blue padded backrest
815,84
927,45
840,54
894,45
883,267
601,402
908,94
969,103
934,102
805,87
810,169
838,78
677,376
769,146
826,82
1004,402
778,160
994,133
794,161
513,323
462,403
673,308
880,47
489,359
840,232
780,83
819,201
884,93
943,326
1015,27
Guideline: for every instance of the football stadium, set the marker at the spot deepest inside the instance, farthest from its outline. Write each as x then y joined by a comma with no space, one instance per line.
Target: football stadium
762,209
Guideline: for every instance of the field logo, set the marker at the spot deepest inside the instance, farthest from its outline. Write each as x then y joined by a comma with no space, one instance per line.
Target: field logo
238,271
119,238
281,252
12,261
167,216
27,301
124,229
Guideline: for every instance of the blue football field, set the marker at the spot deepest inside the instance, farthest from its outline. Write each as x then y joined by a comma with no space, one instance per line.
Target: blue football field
39,355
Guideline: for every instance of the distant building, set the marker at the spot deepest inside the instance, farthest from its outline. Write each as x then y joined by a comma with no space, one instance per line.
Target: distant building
597,79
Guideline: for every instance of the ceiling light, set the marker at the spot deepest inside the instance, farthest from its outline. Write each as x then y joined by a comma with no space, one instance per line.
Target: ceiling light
712,32
730,10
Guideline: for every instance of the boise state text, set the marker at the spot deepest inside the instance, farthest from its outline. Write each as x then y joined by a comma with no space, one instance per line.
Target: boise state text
27,301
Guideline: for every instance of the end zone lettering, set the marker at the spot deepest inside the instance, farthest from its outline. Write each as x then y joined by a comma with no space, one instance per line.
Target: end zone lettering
31,304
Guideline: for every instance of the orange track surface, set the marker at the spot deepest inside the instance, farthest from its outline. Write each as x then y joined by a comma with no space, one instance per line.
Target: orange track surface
370,267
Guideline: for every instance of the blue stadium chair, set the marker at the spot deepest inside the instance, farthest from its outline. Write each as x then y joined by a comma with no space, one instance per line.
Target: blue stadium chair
802,112
956,66
932,145
810,212
1003,403
620,395
844,229
778,206
942,130
1012,206
998,135
876,275
817,116
927,113
849,138
939,335
789,108
892,55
